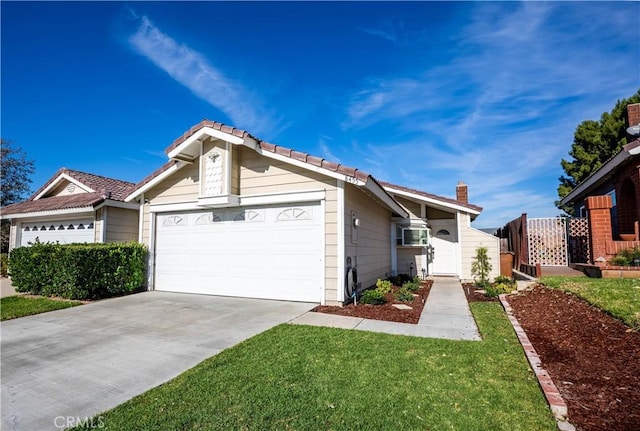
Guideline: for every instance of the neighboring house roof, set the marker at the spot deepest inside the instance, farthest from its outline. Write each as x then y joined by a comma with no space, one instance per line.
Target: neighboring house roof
113,188
98,190
604,173
81,200
429,196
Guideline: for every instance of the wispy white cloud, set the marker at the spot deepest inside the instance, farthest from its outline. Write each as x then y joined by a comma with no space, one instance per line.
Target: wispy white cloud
208,82
501,113
325,150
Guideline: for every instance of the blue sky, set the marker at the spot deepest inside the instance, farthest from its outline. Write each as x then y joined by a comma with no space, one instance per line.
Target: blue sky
421,94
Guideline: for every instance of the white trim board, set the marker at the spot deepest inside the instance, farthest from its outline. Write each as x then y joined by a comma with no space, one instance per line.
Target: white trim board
58,180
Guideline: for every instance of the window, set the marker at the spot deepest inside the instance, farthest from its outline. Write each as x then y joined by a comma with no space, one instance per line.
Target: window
412,236
443,232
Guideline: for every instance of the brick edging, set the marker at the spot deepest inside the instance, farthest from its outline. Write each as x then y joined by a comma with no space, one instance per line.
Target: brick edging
556,403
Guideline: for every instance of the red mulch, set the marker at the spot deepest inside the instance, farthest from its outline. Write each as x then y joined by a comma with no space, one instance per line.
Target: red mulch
477,295
593,358
385,311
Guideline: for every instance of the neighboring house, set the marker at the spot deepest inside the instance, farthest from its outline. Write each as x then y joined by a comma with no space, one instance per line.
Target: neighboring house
618,178
74,207
229,214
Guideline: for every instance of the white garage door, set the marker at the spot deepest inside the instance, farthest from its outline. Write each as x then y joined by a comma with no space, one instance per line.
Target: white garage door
62,231
261,252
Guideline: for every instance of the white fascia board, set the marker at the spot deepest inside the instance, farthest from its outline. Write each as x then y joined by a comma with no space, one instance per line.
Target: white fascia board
341,241
342,177
57,181
155,181
598,175
432,201
381,194
119,204
202,133
49,213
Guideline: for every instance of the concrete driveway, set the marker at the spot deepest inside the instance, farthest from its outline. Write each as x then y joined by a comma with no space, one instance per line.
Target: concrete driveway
78,362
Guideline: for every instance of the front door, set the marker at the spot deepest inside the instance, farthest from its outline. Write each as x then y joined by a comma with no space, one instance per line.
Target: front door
444,239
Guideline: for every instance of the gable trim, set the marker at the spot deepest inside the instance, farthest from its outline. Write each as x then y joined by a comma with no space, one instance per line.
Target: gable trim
431,200
87,209
155,181
61,177
210,132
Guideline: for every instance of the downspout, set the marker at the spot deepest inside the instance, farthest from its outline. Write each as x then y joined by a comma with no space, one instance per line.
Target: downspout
341,241
103,225
141,219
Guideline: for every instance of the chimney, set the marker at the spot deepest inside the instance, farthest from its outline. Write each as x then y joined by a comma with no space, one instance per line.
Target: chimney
633,114
462,194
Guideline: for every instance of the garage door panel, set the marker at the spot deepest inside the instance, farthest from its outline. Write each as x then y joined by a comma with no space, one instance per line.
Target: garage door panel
263,252
61,231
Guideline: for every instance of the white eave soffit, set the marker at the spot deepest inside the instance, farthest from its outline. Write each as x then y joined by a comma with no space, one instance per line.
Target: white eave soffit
190,148
435,202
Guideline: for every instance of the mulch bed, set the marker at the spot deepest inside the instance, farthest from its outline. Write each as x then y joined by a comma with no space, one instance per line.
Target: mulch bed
594,359
385,311
474,294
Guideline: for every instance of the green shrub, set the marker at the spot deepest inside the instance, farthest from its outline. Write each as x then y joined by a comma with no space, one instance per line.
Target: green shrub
78,271
373,296
503,279
384,286
626,257
404,295
498,289
4,264
411,285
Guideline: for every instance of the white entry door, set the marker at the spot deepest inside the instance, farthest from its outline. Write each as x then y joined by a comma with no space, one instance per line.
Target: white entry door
444,239
272,252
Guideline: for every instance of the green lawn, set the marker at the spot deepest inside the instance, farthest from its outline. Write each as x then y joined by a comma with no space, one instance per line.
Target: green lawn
12,307
620,297
310,378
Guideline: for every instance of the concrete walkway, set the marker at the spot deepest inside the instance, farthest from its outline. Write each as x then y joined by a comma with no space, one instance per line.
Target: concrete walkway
6,288
446,315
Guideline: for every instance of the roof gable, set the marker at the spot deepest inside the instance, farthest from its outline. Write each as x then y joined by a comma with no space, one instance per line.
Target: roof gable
110,188
431,198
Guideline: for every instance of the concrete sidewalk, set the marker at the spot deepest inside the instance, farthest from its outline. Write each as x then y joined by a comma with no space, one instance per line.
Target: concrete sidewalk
6,288
446,315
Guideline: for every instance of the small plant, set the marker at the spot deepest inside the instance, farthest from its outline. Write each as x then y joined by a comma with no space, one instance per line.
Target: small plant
503,279
481,266
411,285
373,297
498,289
627,257
384,286
403,294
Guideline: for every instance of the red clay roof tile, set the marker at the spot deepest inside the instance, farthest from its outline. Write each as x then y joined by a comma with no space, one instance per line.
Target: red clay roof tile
79,200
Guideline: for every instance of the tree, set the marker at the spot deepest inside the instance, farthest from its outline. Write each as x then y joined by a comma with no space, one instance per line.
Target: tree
15,170
594,142
481,267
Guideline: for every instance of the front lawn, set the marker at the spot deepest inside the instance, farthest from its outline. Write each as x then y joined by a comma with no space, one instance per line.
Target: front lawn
12,307
620,297
312,378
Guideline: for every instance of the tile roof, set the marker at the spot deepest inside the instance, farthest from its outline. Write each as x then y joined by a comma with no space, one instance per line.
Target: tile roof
110,187
432,196
292,154
79,200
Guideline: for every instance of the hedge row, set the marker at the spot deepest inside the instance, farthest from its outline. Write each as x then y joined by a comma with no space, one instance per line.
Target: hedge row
78,271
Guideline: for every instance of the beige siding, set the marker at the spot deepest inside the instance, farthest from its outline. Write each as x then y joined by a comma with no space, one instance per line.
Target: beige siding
407,255
413,208
182,186
253,174
470,240
122,225
372,252
434,213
